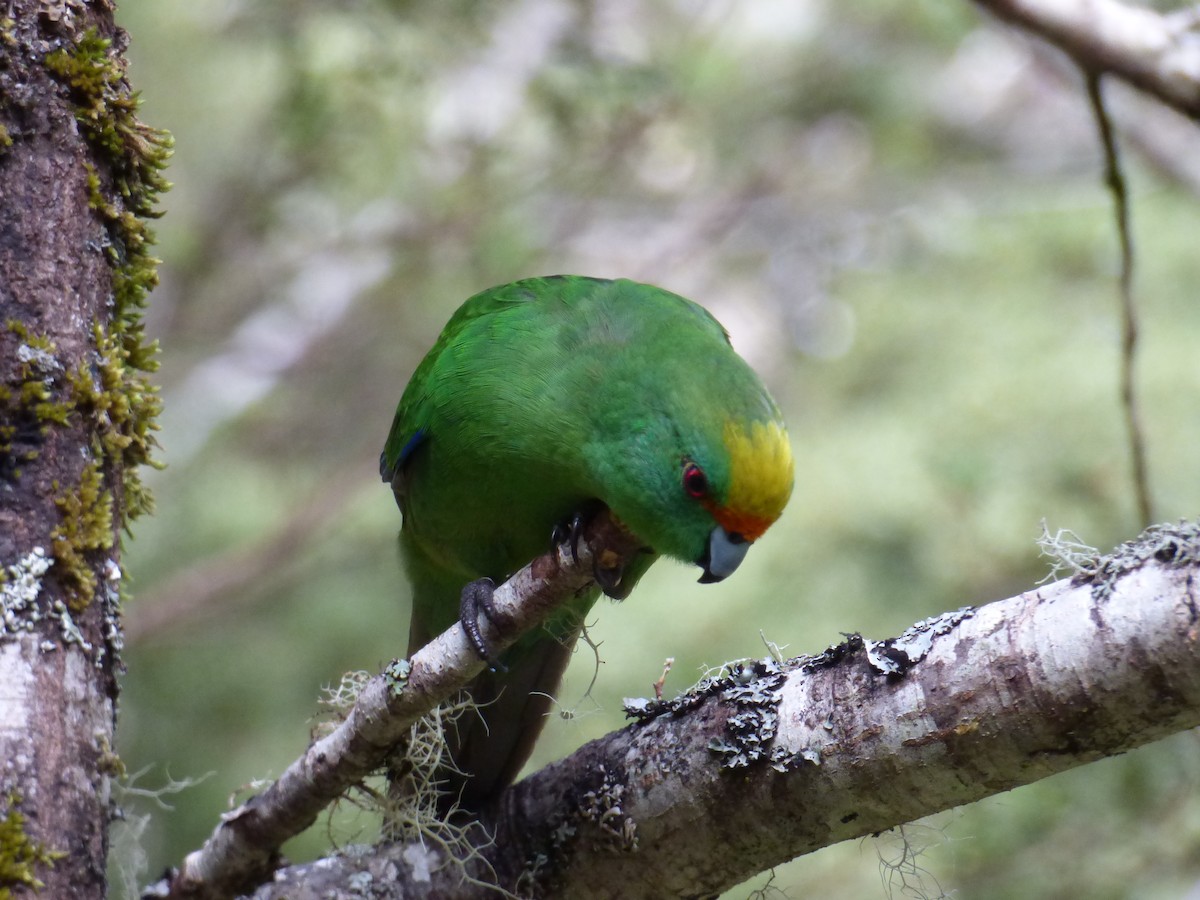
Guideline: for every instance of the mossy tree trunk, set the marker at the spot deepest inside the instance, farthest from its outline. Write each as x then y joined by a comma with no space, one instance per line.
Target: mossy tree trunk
78,175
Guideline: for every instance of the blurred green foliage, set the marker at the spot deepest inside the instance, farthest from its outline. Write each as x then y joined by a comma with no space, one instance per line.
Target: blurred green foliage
896,209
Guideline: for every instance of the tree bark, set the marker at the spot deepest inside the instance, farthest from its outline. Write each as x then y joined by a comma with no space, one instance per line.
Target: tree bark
77,171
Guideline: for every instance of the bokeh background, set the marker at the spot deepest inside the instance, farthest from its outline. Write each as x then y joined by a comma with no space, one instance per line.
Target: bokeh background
896,208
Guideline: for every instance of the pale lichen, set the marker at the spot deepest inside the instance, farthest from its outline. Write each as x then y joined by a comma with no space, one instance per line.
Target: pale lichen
19,592
1173,546
752,687
895,656
1066,552
1168,545
602,807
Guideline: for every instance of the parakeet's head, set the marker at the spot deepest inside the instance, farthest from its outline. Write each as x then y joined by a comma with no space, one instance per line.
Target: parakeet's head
700,493
688,450
757,485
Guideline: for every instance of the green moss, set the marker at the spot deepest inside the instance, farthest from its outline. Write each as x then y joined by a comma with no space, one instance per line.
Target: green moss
14,452
115,407
20,855
112,392
28,404
86,528
134,156
124,410
106,108
7,39
109,762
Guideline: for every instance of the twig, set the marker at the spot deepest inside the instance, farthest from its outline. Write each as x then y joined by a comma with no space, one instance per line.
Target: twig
1156,53
243,850
662,679
1114,178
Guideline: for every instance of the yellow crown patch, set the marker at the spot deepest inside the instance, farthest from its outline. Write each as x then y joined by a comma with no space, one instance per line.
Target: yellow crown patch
761,471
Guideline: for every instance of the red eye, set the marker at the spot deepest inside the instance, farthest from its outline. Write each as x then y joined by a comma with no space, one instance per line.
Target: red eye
694,480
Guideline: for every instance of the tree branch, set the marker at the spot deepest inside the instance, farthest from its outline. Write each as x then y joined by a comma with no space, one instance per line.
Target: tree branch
777,760
243,849
1158,54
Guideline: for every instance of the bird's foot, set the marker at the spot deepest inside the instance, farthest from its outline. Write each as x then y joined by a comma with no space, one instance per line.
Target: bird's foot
572,528
477,598
609,578
570,531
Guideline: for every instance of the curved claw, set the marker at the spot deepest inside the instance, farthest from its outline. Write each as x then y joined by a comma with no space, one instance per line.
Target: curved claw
609,579
571,528
477,598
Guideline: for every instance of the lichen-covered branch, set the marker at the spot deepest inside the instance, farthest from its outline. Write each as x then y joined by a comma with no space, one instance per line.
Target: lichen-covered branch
774,760
242,850
1158,53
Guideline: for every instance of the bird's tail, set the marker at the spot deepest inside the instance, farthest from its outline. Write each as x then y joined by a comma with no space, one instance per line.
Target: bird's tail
491,740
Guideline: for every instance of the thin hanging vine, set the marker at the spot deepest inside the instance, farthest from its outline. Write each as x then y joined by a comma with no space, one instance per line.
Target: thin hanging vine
1114,178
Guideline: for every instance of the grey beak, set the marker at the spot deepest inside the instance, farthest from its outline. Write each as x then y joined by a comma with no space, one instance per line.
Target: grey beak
724,554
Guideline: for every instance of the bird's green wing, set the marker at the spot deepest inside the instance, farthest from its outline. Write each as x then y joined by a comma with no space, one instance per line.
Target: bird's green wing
410,427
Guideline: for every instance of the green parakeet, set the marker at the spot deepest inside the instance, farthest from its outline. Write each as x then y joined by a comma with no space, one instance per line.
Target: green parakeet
541,400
